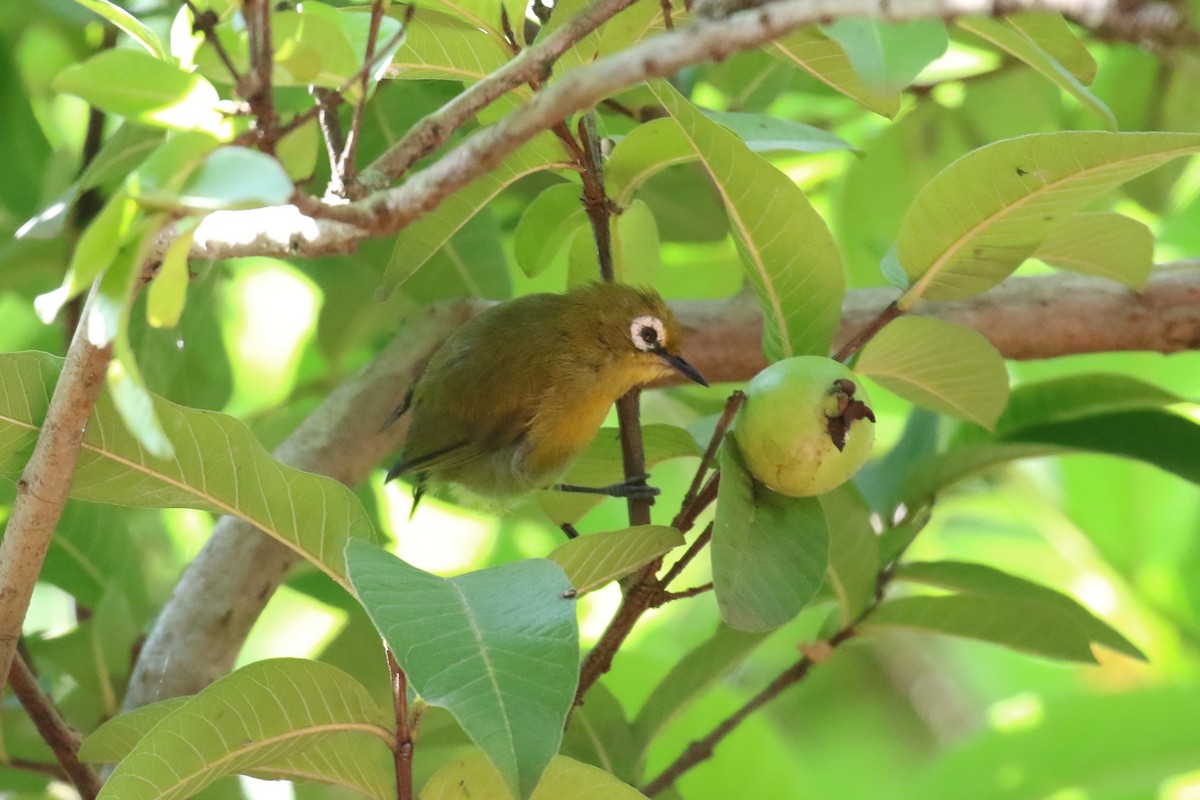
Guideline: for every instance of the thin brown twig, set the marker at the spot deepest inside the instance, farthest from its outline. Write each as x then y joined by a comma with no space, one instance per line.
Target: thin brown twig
402,755
346,169
41,768
732,405
205,22
860,339
667,597
693,550
55,732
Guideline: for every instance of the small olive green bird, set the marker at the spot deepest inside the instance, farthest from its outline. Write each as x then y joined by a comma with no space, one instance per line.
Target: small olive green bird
521,389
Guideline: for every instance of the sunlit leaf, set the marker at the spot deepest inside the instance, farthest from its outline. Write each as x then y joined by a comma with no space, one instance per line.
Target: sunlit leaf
1049,31
136,29
826,61
939,365
564,779
168,291
1102,244
1017,44
269,710
439,46
498,648
218,466
593,560
235,178
980,579
1073,397
769,551
987,212
799,288
131,83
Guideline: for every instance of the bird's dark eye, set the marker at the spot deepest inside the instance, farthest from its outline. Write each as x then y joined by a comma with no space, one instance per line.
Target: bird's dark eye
649,335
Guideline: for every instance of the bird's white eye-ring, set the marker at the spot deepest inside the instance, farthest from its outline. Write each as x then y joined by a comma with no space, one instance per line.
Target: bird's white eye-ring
648,334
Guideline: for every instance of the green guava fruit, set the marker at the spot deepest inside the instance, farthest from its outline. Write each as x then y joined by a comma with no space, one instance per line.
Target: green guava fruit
805,426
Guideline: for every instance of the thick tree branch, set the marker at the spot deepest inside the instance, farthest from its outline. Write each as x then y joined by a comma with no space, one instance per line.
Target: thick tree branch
45,483
579,89
196,638
201,629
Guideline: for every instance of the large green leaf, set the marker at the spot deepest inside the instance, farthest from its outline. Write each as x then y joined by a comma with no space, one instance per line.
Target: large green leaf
1073,397
1103,244
799,287
564,779
260,714
1014,41
978,579
826,61
769,551
987,212
218,466
547,226
131,83
598,733
1049,31
888,56
481,14
939,365
648,149
1113,744
420,240
498,648
592,561
440,46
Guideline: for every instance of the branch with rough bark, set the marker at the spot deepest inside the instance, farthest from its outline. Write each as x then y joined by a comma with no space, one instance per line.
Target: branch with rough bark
284,231
197,636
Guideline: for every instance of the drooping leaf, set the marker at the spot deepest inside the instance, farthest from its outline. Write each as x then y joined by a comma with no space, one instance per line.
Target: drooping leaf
601,465
132,84
1014,41
799,288
218,466
547,226
691,677
592,561
987,212
1049,31
826,61
853,550
168,291
116,738
130,24
269,710
1102,244
564,779
497,648
769,551
420,240
979,579
939,365
648,149
887,55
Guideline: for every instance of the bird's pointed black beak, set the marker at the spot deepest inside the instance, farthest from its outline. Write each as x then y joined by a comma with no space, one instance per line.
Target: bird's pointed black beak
683,368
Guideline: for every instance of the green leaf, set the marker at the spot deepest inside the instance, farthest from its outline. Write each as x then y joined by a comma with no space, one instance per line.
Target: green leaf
439,46
267,710
235,178
690,679
635,243
1014,42
602,464
1112,744
218,466
116,738
929,476
1049,31
498,648
564,779
592,561
853,550
978,579
987,212
826,61
1014,622
940,365
133,84
887,55
763,133
420,240
158,180
481,14
648,149
89,551
599,734
168,291
1074,397
799,288
769,551
136,29
881,481
547,226
1102,244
